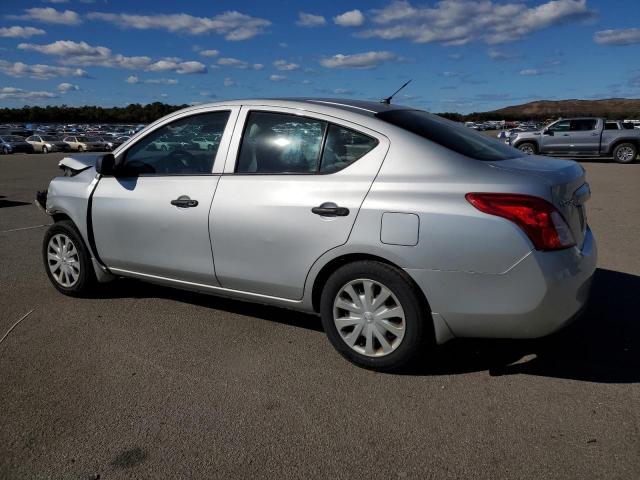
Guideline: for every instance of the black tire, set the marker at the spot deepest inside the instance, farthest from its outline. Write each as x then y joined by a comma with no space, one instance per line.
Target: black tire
45,150
86,280
80,148
529,148
625,153
5,151
418,338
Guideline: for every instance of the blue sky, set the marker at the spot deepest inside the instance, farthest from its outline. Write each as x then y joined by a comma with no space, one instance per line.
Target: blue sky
463,55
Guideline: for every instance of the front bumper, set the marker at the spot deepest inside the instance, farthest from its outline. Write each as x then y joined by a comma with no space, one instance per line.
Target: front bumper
539,295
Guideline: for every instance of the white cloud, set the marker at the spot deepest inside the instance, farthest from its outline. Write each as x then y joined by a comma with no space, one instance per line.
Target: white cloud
232,62
352,18
50,15
20,32
627,36
232,24
19,93
310,20
277,78
500,55
67,87
133,79
358,60
257,66
55,1
530,72
457,22
455,56
285,66
343,91
209,53
229,82
39,71
81,53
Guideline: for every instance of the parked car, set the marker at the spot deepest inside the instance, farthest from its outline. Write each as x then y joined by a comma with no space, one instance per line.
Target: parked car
85,144
581,137
47,143
13,144
207,143
400,228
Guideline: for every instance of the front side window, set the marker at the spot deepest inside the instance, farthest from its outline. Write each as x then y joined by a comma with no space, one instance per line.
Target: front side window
343,147
561,126
176,149
279,143
611,126
585,125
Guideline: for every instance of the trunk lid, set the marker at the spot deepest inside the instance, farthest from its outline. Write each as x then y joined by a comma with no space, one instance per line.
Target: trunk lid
566,179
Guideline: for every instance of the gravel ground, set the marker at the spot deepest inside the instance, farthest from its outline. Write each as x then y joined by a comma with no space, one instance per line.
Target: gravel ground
148,382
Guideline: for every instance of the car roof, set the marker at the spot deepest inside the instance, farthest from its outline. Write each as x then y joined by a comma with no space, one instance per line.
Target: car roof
360,107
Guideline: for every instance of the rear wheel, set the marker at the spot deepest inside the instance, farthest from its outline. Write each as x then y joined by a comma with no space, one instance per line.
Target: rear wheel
67,260
528,148
625,153
5,151
374,316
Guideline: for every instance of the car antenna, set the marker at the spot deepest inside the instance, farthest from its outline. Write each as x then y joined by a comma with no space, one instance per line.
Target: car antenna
387,101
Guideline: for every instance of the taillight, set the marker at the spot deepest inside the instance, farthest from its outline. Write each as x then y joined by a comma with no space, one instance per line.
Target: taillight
540,220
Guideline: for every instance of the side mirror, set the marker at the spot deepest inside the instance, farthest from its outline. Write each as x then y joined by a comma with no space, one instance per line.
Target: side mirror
106,164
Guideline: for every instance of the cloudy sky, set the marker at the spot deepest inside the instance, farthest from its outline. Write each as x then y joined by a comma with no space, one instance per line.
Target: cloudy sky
463,55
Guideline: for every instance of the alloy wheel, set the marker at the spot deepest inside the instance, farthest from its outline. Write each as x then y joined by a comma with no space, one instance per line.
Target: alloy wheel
625,154
526,148
63,260
369,317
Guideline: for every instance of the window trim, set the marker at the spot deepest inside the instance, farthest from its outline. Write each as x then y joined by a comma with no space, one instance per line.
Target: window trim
328,124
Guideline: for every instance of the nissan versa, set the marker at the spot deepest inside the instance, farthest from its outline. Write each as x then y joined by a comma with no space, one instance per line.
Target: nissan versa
401,229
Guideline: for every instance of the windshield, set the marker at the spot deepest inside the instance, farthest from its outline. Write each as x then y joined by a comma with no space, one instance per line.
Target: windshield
450,135
12,138
50,138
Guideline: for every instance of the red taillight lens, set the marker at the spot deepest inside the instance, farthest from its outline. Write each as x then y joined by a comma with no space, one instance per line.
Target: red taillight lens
540,220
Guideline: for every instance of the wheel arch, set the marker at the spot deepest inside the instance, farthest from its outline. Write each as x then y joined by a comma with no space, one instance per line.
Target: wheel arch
616,143
533,141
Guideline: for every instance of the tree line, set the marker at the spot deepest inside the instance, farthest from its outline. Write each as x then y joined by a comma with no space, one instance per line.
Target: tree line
133,113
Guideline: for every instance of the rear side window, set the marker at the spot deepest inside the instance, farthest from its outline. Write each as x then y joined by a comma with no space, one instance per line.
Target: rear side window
627,126
611,126
450,135
585,125
343,147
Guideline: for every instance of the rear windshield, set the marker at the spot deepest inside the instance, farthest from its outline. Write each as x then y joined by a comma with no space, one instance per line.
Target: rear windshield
450,135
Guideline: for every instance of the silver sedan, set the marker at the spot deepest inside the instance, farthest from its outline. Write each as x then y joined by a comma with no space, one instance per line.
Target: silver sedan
402,230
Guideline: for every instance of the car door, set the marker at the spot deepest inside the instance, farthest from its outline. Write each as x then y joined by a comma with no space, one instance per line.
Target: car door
556,138
293,184
152,217
585,135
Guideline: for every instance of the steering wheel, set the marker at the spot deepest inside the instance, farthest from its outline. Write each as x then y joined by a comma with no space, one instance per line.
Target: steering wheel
187,159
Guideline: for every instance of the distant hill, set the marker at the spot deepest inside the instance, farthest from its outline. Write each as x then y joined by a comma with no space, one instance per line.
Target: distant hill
615,108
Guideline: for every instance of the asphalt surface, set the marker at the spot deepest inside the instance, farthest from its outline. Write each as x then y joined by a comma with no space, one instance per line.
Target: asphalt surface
148,382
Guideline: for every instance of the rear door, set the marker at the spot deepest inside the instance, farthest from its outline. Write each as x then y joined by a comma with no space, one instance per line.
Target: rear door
152,219
585,135
292,188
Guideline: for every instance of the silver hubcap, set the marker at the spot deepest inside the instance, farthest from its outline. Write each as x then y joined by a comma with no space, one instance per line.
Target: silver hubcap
369,318
63,260
528,149
625,154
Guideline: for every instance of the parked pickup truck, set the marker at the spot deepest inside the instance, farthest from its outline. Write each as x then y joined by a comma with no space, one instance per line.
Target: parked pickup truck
581,137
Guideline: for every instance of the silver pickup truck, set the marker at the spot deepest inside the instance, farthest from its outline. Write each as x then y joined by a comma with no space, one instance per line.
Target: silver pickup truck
581,137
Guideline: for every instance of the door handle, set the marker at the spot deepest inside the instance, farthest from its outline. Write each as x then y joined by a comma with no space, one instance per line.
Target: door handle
565,134
595,134
330,209
184,201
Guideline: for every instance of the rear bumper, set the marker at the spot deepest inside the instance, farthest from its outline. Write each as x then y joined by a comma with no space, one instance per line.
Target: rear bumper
540,294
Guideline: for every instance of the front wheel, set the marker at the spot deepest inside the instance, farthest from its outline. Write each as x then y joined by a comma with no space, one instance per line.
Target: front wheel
374,316
625,153
45,150
67,260
80,148
528,148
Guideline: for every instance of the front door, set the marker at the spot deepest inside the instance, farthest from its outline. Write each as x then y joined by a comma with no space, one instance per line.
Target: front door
151,218
556,138
290,193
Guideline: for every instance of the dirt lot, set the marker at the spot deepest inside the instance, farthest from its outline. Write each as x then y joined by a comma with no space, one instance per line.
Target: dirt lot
147,382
